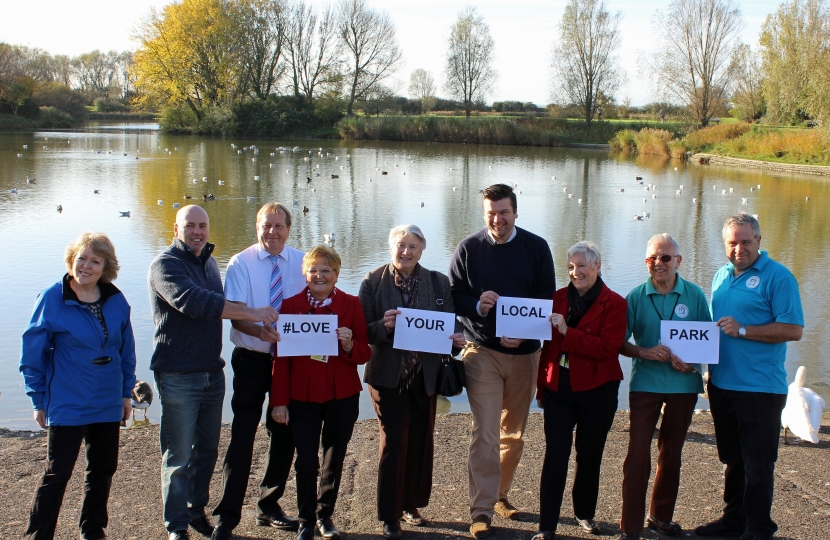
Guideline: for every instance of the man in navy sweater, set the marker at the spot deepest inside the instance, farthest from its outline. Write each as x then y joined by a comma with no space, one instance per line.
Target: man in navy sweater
501,371
188,305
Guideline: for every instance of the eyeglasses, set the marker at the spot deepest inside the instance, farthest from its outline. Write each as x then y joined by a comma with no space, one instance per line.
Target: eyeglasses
666,258
313,271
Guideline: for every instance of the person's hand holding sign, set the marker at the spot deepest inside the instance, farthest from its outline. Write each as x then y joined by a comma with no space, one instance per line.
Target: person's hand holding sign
280,414
680,365
729,326
558,322
345,336
389,319
486,302
458,340
658,353
510,343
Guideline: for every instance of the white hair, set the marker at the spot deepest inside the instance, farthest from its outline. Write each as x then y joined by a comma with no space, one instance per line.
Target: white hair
590,249
663,238
399,231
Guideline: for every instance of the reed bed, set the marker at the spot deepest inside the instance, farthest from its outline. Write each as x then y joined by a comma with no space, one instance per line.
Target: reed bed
791,146
705,138
477,130
653,141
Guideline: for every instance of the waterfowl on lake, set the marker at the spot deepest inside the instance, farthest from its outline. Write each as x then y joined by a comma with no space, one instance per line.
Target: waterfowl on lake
209,197
125,214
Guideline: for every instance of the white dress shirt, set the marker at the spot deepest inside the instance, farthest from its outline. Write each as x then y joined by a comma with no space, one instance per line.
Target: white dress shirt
248,280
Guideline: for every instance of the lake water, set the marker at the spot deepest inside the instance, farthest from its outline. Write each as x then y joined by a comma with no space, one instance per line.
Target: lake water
435,186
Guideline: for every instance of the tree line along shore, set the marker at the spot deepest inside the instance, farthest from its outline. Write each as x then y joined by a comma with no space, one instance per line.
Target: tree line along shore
277,68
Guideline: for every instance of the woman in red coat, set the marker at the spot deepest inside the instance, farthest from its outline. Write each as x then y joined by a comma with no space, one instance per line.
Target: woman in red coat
319,395
579,378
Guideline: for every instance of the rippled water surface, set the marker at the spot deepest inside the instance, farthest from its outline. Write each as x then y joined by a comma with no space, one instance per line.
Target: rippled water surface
435,186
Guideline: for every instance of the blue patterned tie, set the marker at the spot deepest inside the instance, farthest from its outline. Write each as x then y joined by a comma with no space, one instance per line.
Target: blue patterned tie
276,289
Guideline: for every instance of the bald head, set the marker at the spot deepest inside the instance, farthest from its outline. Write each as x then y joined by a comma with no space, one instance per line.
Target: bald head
192,227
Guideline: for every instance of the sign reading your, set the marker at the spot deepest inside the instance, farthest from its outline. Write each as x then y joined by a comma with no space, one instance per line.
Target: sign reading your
424,331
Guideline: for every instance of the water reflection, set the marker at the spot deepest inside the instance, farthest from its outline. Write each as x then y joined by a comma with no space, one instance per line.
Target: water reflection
362,204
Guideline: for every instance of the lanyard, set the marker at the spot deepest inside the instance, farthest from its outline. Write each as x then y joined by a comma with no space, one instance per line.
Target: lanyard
660,315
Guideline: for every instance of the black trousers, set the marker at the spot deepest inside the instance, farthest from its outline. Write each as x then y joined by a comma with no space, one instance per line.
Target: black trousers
407,424
334,421
592,412
251,384
63,443
747,429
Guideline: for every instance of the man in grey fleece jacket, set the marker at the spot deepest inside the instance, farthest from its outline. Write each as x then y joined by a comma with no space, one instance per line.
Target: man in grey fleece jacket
188,305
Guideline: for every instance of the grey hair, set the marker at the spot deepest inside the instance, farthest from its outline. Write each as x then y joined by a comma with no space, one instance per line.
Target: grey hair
399,231
663,238
590,250
737,220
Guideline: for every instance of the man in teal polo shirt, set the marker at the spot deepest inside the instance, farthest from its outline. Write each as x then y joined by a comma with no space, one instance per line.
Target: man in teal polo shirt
658,378
756,303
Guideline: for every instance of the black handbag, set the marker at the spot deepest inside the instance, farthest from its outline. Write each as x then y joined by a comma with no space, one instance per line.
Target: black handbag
451,378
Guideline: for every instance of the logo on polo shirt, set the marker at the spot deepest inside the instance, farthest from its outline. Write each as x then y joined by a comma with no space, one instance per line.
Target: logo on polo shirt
753,282
682,311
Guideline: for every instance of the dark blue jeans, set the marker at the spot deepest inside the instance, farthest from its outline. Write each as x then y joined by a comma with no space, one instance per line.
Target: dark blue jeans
191,420
747,428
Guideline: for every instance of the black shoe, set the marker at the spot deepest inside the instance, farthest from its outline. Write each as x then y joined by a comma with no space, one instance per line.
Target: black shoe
719,528
327,529
750,536
392,530
278,520
630,536
202,526
588,525
544,535
179,535
305,531
414,517
221,533
669,529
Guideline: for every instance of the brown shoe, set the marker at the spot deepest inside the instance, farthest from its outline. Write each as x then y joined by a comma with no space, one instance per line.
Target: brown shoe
480,528
505,509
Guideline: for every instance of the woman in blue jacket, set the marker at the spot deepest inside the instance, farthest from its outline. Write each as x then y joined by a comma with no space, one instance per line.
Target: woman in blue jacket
78,366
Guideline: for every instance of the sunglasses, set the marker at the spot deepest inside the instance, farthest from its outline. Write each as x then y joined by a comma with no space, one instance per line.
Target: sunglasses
663,258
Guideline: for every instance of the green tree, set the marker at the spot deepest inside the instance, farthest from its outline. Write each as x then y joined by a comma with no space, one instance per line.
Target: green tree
748,99
469,71
583,59
795,46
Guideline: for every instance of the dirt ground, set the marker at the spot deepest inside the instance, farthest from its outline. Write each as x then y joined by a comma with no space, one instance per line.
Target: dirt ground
801,509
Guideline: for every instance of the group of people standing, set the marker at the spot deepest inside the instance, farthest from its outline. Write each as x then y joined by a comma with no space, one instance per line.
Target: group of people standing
78,364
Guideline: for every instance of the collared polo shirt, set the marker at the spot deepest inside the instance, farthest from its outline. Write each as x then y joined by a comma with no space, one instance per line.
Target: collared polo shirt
766,292
646,308
248,280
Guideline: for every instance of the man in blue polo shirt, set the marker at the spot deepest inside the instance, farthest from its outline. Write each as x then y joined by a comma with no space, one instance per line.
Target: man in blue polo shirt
756,303
659,379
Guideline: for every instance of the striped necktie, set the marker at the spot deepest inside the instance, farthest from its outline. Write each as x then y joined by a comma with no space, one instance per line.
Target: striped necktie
276,288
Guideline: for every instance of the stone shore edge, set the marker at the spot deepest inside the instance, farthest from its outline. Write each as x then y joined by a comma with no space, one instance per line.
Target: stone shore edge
712,159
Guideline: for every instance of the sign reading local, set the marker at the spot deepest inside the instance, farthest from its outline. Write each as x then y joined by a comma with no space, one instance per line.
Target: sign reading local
694,342
525,318
307,335
424,331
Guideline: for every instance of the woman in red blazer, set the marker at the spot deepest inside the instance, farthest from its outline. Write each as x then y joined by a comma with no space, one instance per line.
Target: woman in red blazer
579,378
319,395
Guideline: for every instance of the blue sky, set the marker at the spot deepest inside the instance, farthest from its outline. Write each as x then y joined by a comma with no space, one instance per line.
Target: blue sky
523,31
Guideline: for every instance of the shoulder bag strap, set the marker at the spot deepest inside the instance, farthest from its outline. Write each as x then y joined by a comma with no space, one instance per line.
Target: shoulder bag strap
437,288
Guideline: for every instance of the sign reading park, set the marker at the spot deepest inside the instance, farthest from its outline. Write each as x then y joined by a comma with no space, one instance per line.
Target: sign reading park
424,331
307,335
694,342
525,318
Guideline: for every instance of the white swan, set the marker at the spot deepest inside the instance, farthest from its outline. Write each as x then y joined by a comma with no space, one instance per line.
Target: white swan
802,414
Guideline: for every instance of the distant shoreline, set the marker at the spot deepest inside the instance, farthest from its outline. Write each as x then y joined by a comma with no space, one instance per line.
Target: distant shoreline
797,168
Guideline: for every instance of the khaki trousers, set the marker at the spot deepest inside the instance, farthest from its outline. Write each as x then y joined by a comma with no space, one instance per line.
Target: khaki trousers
500,388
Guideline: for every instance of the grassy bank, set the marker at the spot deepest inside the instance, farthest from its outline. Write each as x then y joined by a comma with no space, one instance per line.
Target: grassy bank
49,117
486,130
738,139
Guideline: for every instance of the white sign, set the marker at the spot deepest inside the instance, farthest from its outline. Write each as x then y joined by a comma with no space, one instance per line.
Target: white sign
694,342
525,318
307,335
424,331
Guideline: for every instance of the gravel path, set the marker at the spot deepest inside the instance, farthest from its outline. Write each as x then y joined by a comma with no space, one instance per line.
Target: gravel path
802,489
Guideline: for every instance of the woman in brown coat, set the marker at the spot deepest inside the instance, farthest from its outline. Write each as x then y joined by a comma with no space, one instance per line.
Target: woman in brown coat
402,383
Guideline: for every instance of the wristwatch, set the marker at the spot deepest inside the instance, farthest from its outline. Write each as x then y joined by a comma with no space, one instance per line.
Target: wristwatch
742,331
